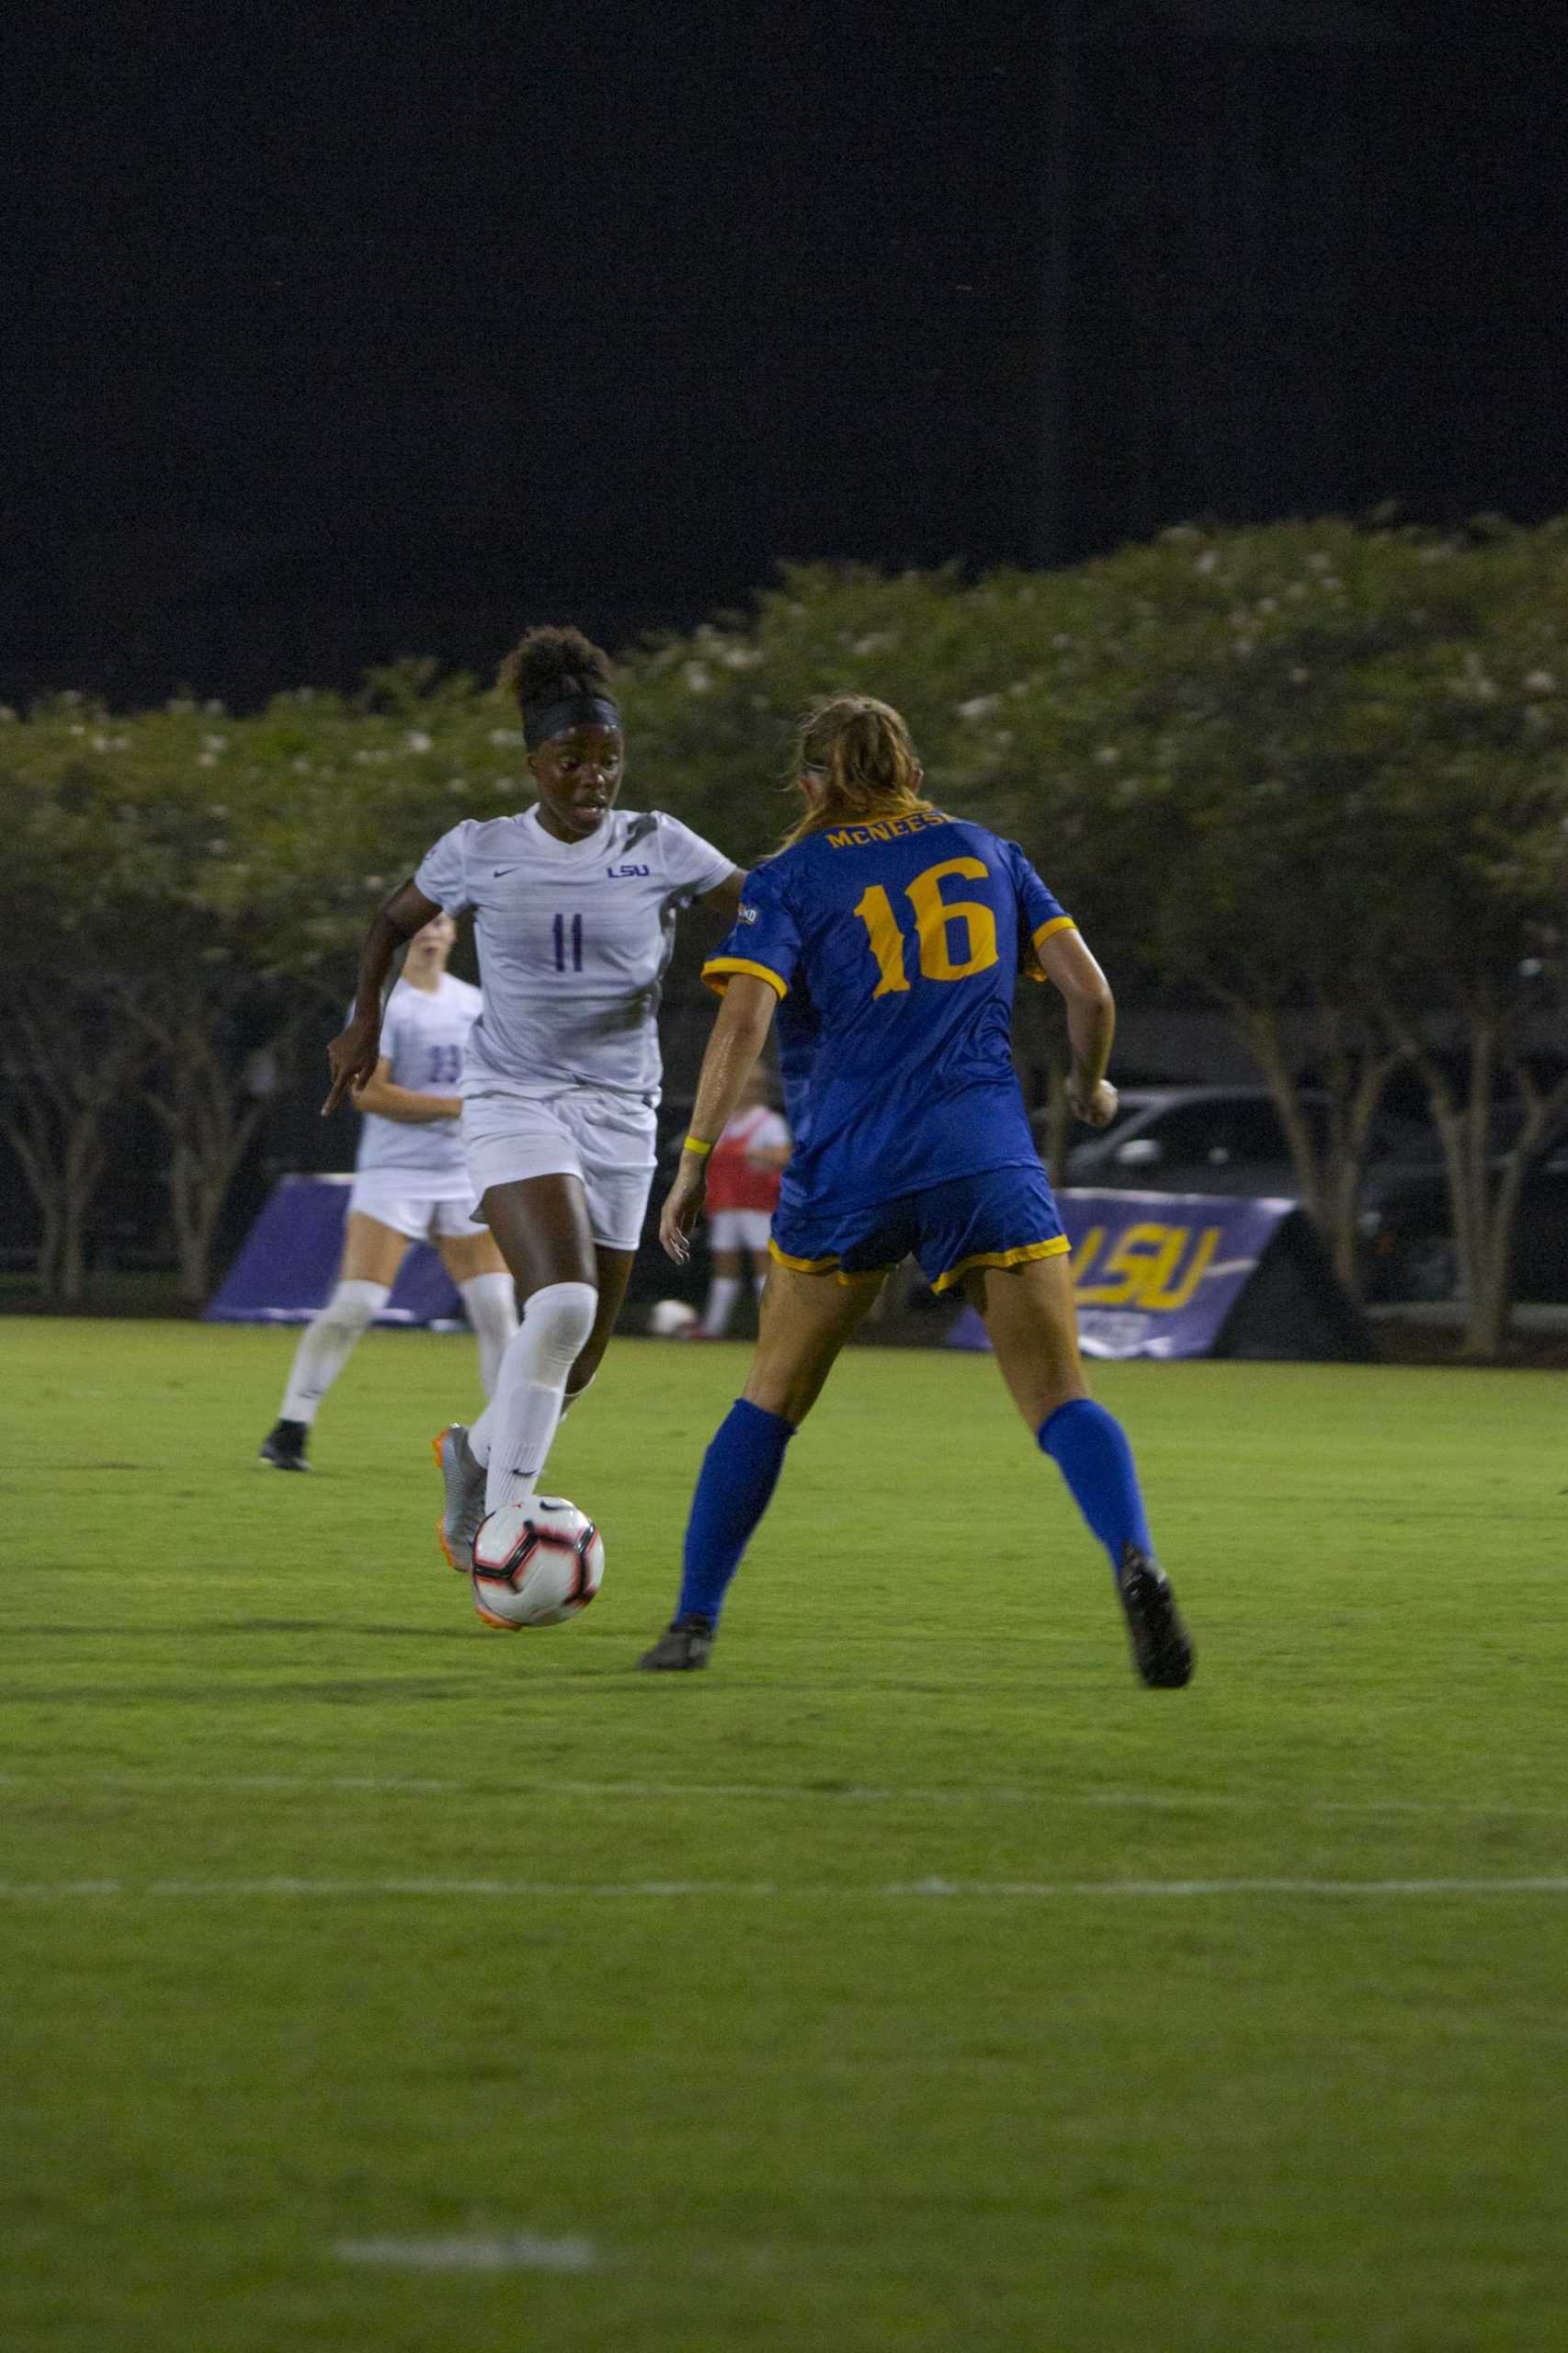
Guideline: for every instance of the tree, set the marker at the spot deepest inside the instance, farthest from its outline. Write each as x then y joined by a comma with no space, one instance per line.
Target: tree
1476,759
70,1056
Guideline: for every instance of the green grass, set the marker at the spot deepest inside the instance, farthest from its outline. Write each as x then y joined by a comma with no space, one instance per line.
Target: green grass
790,2106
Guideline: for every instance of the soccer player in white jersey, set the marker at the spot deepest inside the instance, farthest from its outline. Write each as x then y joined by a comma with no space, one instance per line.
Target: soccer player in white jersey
410,1184
574,905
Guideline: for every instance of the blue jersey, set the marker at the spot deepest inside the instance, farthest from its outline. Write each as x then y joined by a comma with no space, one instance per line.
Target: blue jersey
895,947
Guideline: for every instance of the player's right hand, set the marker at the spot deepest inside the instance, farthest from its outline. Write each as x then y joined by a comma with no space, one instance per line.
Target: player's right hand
353,1056
682,1204
1095,1106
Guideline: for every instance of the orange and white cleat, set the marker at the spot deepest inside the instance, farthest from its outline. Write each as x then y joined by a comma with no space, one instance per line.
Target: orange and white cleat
464,1509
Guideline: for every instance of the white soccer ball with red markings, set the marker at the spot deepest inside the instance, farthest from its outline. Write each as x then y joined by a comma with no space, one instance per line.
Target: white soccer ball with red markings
536,1564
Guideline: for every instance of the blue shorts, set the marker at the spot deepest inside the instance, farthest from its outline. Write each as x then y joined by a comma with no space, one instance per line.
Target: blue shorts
999,1217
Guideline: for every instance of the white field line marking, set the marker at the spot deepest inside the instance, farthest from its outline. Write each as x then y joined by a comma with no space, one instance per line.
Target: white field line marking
550,1891
792,1794
510,2251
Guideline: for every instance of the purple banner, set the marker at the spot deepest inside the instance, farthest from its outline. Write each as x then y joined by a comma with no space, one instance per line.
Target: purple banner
288,1263
1155,1274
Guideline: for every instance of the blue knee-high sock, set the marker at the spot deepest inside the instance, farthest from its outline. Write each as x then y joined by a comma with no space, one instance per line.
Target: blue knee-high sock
1089,1448
739,1474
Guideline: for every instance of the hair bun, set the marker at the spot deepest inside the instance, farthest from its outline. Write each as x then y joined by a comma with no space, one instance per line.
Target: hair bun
551,663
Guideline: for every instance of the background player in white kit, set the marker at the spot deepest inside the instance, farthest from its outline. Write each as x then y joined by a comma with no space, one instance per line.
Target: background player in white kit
574,905
410,1184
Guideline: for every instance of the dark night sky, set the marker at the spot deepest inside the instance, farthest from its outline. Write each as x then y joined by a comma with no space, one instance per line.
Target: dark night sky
341,331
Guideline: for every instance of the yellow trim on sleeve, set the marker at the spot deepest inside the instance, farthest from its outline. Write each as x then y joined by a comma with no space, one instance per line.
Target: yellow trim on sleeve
1057,1247
726,967
1033,969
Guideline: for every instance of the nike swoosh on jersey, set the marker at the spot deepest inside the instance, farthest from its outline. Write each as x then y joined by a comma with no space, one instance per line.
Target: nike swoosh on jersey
503,869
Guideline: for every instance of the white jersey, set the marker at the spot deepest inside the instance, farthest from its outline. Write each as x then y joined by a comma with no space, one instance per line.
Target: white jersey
424,1033
573,938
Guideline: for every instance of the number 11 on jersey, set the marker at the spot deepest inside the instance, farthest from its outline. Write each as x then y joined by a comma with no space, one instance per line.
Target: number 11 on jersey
561,932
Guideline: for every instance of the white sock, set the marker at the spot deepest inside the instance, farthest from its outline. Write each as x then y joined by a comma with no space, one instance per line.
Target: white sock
491,1302
723,1293
326,1344
525,1412
482,1431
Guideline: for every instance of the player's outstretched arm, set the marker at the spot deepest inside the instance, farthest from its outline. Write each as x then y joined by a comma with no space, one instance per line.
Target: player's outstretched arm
737,1038
355,1052
1091,1023
383,1096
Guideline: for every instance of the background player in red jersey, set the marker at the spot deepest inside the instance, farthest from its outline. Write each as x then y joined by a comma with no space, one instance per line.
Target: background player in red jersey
743,1177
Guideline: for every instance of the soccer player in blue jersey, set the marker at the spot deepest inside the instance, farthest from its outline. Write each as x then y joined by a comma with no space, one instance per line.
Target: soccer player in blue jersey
887,938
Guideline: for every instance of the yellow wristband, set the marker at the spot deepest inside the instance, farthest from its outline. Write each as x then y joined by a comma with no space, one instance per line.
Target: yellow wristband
694,1143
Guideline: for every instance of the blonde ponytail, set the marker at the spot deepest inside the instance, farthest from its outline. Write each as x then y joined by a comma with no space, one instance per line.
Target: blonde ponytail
860,749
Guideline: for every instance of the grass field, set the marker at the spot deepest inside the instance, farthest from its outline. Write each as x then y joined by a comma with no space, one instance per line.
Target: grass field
911,1980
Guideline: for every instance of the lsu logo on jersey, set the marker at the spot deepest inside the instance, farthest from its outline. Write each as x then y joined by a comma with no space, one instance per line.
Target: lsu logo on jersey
624,873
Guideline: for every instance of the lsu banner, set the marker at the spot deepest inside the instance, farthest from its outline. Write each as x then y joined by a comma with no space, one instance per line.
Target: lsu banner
1155,1274
288,1263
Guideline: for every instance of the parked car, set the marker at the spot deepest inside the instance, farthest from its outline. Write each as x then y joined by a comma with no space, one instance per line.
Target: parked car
1409,1244
1227,1139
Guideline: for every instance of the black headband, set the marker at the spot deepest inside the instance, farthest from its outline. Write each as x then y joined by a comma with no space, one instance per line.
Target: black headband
541,721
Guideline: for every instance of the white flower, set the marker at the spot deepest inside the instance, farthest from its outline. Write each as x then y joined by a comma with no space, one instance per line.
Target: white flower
1540,682
216,848
375,881
1108,755
698,678
1062,641
206,759
7,716
978,707
506,736
1317,563
299,765
1207,562
417,740
213,708
876,641
214,743
741,657
1299,675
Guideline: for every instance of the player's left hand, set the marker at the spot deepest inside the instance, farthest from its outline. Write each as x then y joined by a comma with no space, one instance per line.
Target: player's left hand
683,1204
1095,1106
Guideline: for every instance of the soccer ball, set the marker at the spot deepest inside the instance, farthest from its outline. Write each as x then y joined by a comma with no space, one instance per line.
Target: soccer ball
536,1564
671,1319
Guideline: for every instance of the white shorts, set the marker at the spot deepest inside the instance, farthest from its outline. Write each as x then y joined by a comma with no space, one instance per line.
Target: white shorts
602,1139
738,1229
392,1197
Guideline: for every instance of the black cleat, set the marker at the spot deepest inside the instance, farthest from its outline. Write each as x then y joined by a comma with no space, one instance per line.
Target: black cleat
1162,1647
684,1643
284,1447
